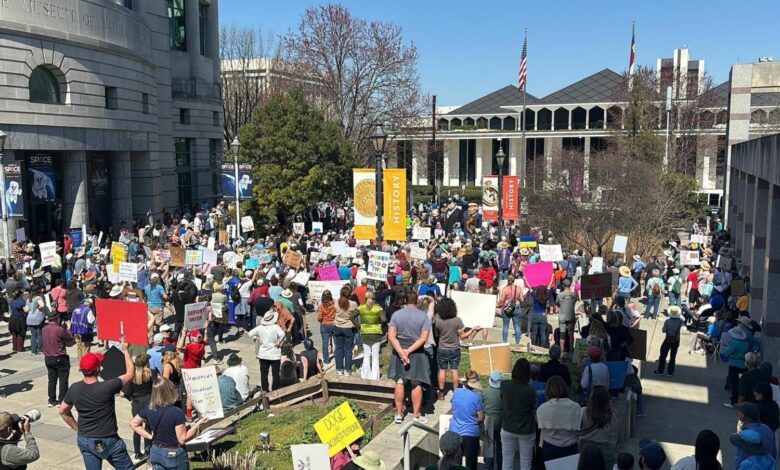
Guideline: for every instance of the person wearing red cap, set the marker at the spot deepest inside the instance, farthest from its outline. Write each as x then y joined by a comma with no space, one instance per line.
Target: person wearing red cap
193,354
261,303
97,437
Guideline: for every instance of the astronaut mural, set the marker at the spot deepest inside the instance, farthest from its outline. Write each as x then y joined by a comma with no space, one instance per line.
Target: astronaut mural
14,202
245,181
41,173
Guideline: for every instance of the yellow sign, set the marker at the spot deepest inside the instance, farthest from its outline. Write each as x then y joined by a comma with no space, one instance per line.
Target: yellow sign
118,255
394,219
338,429
364,194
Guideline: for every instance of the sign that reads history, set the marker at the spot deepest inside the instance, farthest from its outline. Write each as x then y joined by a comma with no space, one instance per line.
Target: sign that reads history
395,204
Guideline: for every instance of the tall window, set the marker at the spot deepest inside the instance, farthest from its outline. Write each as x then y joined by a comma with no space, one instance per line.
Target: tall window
183,148
467,164
494,162
203,14
214,159
177,26
44,87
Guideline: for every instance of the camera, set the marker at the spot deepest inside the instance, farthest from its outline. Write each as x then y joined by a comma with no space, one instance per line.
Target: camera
31,416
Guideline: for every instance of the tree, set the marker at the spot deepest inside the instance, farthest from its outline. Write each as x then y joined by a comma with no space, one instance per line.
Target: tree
299,158
364,71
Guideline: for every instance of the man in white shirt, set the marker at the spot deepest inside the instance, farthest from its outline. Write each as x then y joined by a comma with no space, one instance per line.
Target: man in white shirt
239,373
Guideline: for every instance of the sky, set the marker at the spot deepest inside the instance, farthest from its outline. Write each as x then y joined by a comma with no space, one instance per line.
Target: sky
470,48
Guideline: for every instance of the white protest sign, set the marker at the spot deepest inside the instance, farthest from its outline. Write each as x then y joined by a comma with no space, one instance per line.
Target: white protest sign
597,264
302,278
316,227
100,238
203,391
620,244
299,228
689,258
551,252
316,288
444,426
198,282
128,272
378,263
247,224
418,253
113,277
210,257
195,316
475,309
697,238
339,249
421,233
211,243
310,456
230,258
20,235
48,253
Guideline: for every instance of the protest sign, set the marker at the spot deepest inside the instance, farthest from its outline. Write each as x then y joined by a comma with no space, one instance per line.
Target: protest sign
619,245
580,350
444,426
177,256
563,463
120,316
638,348
724,262
339,248
113,277
266,258
491,357
378,262
128,272
316,288
697,238
247,224
193,258
293,259
737,287
211,243
203,391
316,227
210,257
21,235
689,258
301,278
418,253
113,364
48,253
329,272
338,429
550,252
252,263
118,255
538,274
299,228
310,456
421,233
527,242
475,309
224,238
195,316
617,374
198,282
596,286
597,264
104,251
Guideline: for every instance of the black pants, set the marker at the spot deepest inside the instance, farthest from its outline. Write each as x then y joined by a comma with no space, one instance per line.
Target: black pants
667,347
734,382
470,446
264,365
59,369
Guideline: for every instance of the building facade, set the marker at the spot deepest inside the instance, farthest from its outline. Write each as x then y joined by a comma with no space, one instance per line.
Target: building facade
112,108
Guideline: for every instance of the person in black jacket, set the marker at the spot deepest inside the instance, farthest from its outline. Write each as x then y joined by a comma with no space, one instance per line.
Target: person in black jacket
186,293
554,367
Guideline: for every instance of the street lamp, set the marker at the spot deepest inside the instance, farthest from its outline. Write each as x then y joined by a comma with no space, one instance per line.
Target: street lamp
235,146
379,139
6,244
500,157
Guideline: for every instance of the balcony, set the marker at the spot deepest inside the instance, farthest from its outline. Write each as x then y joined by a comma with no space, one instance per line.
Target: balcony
195,89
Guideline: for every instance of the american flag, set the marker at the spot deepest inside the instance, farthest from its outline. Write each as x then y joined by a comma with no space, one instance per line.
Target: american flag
521,76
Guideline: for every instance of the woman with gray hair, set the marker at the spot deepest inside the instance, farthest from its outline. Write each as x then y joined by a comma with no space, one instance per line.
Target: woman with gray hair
451,455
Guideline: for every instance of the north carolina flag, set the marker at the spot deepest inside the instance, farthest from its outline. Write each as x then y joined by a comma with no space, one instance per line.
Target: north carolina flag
632,58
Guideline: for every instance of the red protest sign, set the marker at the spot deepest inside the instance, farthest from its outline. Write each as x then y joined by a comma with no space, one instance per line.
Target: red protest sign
115,315
596,286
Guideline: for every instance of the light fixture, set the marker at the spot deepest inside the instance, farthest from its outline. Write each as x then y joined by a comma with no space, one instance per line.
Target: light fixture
234,146
500,156
379,138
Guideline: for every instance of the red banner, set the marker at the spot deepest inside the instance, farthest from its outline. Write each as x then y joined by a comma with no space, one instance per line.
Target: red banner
490,198
117,316
509,199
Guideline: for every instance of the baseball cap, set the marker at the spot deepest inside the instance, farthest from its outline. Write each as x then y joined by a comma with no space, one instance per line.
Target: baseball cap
194,333
165,327
495,379
652,452
594,351
750,410
158,338
91,362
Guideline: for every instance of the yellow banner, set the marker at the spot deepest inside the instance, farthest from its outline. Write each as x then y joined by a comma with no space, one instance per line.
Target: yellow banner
394,216
338,429
118,255
364,193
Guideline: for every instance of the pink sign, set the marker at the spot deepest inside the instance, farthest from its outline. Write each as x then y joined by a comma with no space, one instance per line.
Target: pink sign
538,274
329,273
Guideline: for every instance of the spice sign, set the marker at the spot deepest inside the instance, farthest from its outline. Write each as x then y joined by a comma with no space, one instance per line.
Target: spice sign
378,262
337,429
203,390
195,316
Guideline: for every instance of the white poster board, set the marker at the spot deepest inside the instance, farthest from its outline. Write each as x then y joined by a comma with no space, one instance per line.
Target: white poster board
316,288
418,253
339,248
316,227
128,272
689,258
113,277
421,233
550,252
48,253
299,228
444,426
195,316
210,257
475,309
21,235
211,243
302,278
310,456
230,258
564,463
378,263
619,246
247,224
697,238
203,391
597,264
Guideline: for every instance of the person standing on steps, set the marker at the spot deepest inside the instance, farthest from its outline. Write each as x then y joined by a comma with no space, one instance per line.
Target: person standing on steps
672,328
56,338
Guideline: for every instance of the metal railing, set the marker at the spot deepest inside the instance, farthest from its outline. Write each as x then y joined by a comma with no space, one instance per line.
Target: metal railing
404,431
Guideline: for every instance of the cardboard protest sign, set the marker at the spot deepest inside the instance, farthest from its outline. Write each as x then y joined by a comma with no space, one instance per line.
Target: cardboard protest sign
247,224
596,286
620,243
177,256
689,258
302,278
491,357
292,259
48,253
338,429
724,262
316,227
195,316
329,272
252,263
316,288
224,238
638,348
527,242
118,316
210,257
597,264
475,309
418,253
21,235
299,228
697,238
128,272
203,391
118,255
378,263
737,287
113,365
193,258
310,456
550,252
538,274
421,233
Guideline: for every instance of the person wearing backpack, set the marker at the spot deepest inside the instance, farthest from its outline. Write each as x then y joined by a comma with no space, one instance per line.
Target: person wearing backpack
674,284
655,289
672,328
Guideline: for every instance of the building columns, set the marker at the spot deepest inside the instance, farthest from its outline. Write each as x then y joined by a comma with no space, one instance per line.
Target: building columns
75,207
770,321
192,21
121,189
453,151
445,163
479,165
757,269
213,38
746,254
415,166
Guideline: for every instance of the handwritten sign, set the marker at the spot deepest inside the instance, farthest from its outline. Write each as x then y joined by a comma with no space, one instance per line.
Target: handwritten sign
193,258
316,288
310,456
113,277
48,253
597,264
210,257
338,429
292,259
299,228
329,272
421,233
596,286
302,278
177,256
20,234
619,245
689,258
252,263
195,316
378,263
203,391
418,253
475,309
316,227
118,255
128,272
550,252
697,238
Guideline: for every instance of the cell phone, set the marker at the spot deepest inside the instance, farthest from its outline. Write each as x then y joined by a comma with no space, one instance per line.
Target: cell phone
467,329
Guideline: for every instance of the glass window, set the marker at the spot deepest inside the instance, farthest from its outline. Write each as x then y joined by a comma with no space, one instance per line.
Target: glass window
44,87
128,4
177,26
185,187
202,18
214,159
215,118
145,103
111,98
182,147
184,116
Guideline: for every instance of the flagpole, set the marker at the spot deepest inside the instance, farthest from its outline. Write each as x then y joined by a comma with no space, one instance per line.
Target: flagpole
525,143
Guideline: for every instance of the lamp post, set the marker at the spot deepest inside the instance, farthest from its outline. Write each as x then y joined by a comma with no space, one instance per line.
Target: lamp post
379,139
235,146
500,158
6,242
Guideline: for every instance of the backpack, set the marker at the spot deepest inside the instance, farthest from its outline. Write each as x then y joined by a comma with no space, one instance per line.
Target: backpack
674,334
235,295
677,287
656,289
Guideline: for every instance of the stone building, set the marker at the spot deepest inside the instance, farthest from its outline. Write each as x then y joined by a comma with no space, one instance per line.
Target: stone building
113,106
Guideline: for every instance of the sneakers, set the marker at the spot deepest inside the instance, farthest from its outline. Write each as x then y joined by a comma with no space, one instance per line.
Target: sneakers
339,372
421,419
640,414
137,457
728,405
52,404
398,419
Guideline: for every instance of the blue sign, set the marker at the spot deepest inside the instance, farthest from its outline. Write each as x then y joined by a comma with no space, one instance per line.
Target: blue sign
75,235
245,181
13,190
41,172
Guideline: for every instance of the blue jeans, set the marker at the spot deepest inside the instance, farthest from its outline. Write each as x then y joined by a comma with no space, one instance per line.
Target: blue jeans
344,339
36,340
515,318
653,302
115,452
169,459
539,334
674,299
326,332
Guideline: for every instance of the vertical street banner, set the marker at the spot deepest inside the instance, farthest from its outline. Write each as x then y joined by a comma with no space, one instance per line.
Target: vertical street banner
364,194
490,198
245,182
40,169
510,200
394,185
14,201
